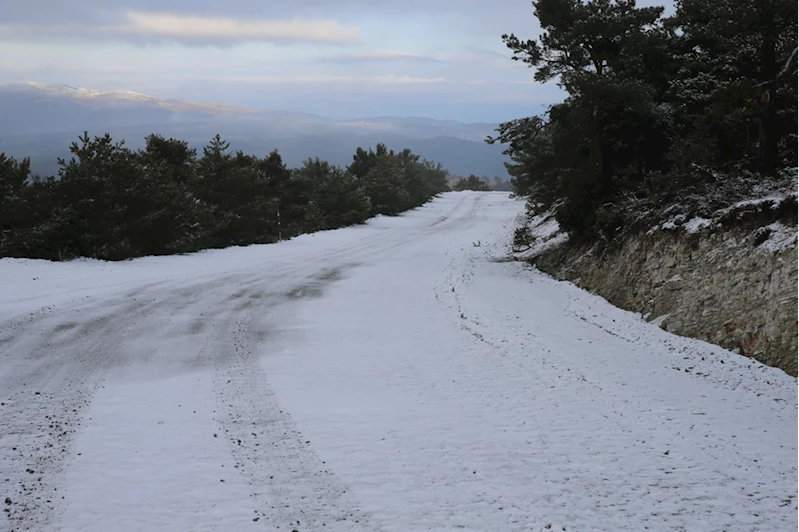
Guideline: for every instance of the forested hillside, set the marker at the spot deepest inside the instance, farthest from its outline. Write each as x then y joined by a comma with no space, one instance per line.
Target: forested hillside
659,110
111,202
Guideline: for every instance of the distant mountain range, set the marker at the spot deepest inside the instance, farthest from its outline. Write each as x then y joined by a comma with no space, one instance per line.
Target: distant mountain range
33,108
40,121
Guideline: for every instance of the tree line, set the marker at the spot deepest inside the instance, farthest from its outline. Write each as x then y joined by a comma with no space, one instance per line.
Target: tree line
656,106
110,202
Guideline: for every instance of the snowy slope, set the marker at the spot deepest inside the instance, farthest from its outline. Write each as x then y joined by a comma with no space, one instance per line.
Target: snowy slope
396,376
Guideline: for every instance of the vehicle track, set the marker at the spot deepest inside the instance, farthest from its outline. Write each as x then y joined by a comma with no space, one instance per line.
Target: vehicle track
62,353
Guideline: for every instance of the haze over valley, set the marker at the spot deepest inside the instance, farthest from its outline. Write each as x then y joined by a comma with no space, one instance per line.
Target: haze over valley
41,120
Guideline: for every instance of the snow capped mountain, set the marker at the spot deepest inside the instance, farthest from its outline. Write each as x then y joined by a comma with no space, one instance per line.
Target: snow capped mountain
67,91
90,97
33,92
39,120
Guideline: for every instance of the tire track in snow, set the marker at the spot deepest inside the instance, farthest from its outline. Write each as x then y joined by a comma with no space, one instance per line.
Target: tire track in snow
43,405
48,391
290,484
64,351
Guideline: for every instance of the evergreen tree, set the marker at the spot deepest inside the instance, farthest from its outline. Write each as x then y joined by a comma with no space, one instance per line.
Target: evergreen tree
96,184
592,49
384,186
472,183
436,178
172,218
338,198
276,180
112,203
363,161
14,203
612,129
13,177
214,188
654,105
396,182
736,90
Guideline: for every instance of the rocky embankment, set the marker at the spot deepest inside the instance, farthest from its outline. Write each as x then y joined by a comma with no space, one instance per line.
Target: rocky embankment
730,279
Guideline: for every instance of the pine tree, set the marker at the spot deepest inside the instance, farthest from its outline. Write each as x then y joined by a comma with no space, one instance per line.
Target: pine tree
363,161
173,218
14,205
736,89
338,198
612,130
96,184
472,183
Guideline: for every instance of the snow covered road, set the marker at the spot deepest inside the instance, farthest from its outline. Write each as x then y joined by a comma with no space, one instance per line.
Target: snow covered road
397,376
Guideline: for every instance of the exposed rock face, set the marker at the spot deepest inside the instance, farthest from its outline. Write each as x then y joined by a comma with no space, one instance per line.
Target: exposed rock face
732,284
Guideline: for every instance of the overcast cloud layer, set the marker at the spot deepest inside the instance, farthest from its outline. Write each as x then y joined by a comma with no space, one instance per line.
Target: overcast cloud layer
338,58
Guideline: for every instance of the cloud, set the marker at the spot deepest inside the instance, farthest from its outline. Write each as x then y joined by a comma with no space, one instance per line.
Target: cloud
303,79
194,29
392,56
230,29
44,10
380,56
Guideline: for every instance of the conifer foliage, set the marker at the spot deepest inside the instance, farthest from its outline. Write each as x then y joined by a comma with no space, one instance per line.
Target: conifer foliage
110,202
653,103
472,183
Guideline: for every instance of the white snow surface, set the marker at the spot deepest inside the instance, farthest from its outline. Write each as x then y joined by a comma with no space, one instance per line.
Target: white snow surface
393,376
781,237
773,199
697,223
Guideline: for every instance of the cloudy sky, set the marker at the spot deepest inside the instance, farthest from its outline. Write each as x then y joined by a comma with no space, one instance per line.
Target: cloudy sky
338,58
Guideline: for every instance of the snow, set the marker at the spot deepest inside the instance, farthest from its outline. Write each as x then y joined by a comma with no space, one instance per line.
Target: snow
668,226
545,226
696,224
779,239
545,231
76,92
660,319
773,199
162,451
391,376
